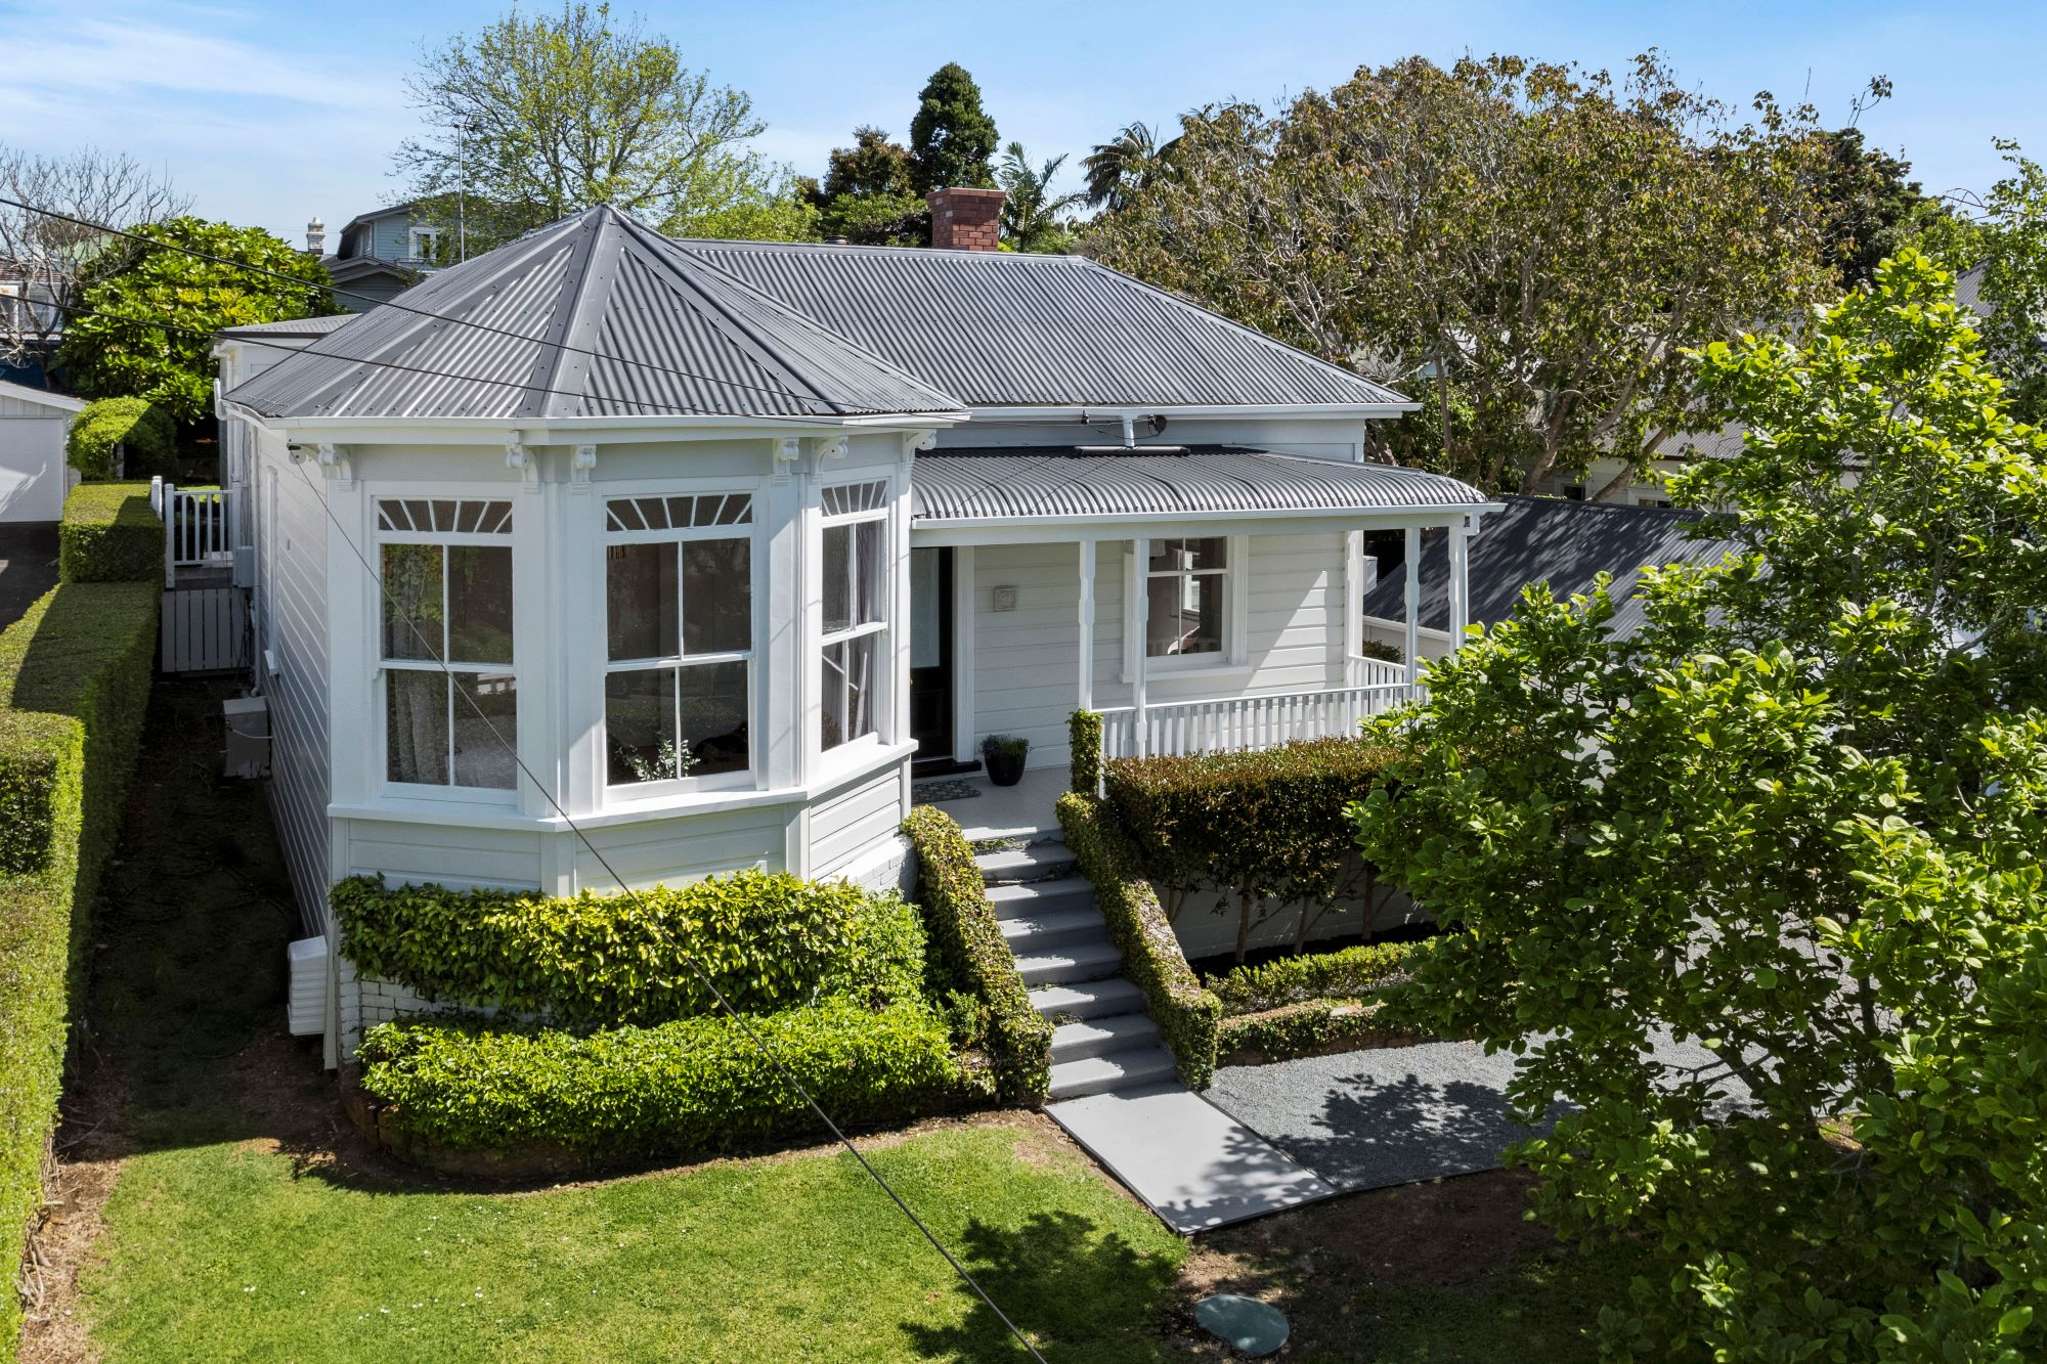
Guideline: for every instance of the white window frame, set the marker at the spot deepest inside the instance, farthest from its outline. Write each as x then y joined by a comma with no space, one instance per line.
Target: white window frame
884,670
380,703
1236,576
421,241
618,794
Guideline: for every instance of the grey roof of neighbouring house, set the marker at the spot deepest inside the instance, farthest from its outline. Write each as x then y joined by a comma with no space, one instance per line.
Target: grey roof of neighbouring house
1063,482
302,326
1009,329
1565,544
592,316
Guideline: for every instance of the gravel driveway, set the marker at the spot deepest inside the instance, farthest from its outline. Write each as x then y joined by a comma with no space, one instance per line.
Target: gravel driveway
1390,1115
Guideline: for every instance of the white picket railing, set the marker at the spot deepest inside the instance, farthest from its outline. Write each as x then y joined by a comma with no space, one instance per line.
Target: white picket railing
198,527
1233,724
1378,672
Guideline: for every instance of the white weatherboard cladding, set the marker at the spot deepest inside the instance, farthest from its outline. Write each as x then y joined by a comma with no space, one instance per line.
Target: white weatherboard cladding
1337,438
853,821
1025,659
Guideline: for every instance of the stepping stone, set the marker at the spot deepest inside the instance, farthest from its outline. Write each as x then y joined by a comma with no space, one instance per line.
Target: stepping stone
1248,1326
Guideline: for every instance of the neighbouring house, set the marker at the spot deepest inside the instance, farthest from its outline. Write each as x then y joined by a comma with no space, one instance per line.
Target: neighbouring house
381,254
1566,544
33,473
727,538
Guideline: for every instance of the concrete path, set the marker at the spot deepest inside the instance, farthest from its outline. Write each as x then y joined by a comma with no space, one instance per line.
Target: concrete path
1191,1163
28,566
1394,1115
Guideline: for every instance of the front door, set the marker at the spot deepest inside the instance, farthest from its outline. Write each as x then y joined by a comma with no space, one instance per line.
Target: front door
931,656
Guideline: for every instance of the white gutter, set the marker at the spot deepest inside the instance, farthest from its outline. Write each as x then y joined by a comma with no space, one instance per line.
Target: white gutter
399,430
1132,413
1433,514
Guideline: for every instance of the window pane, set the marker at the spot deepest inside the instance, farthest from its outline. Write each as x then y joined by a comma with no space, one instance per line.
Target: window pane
412,601
1186,615
639,726
838,578
848,678
714,719
416,726
484,757
872,585
639,590
479,604
717,596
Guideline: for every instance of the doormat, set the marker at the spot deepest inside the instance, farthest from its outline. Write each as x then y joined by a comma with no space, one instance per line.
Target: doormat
933,792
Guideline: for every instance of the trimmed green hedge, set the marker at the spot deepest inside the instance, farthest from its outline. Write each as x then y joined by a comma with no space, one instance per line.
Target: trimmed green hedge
1311,1027
74,686
685,1088
967,944
1347,973
137,428
109,534
1187,1014
769,940
1084,743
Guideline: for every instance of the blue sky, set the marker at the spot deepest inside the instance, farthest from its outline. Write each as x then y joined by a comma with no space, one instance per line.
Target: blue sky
270,115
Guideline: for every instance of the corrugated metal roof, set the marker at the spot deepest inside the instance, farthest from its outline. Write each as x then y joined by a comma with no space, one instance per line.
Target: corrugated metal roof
1068,482
1007,329
592,316
1565,544
303,326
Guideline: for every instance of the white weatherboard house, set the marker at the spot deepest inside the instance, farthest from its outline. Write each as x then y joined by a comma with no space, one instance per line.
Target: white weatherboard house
726,536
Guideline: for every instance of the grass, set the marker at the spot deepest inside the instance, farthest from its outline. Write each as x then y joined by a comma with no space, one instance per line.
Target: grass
246,1222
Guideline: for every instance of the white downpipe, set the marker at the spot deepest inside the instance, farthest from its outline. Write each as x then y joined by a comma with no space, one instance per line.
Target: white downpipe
1140,550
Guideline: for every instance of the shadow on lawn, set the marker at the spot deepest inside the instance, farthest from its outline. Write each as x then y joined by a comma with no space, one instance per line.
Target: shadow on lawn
1077,1293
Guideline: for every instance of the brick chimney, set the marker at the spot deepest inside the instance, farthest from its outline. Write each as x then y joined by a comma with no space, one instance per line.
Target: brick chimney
965,219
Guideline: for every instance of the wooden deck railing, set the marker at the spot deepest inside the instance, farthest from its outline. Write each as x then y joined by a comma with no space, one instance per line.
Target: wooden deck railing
1239,723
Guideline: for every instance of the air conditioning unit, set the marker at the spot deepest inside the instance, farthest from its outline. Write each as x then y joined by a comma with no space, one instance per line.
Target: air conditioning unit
247,754
245,566
306,1005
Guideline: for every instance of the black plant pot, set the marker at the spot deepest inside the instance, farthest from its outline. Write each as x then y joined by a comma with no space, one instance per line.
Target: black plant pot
1005,769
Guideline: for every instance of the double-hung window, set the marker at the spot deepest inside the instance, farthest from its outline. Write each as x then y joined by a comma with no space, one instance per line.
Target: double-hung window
678,686
451,696
1187,585
856,593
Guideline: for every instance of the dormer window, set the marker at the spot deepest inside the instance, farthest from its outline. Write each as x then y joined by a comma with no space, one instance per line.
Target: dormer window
423,242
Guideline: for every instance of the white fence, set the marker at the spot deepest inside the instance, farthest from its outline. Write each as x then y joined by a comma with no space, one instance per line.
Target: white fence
205,630
198,527
1239,723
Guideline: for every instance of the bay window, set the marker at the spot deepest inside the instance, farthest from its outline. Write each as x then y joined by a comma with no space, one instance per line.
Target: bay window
678,687
856,591
451,695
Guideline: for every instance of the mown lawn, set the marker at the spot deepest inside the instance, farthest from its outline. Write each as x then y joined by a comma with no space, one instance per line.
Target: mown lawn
245,1222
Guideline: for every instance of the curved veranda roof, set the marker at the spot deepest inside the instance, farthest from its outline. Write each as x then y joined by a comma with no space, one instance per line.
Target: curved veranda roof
1079,483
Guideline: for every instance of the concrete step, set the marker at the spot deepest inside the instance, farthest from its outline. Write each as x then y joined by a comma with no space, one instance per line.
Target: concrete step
1039,932
1100,1036
1014,866
1074,961
1119,1070
1036,897
1088,999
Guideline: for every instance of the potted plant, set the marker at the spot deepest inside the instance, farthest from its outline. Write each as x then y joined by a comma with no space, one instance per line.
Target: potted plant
1005,755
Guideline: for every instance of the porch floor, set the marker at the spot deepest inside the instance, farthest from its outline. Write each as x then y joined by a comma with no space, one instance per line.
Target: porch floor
1023,811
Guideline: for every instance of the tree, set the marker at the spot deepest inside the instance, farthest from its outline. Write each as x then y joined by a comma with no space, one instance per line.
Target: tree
1871,208
951,136
1794,821
149,309
534,119
1119,169
867,195
41,256
1030,210
1534,243
2009,241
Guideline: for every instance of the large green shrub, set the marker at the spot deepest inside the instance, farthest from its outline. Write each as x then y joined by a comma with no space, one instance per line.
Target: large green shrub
768,940
1266,827
74,684
109,534
136,430
967,945
1347,973
681,1089
1187,1015
1084,745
